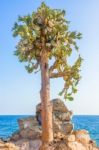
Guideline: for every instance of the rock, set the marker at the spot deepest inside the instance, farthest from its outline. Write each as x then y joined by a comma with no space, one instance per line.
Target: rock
30,128
35,145
59,136
66,116
63,116
15,137
29,144
30,133
71,138
56,126
8,146
66,128
34,134
76,146
25,146
82,136
27,122
61,146
57,104
24,133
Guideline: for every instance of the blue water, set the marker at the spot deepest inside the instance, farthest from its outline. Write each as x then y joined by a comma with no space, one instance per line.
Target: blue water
8,125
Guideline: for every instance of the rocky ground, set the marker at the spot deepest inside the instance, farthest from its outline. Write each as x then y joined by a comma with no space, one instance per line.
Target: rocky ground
77,140
65,138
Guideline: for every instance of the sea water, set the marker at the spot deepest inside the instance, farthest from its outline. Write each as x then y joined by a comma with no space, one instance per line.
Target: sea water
9,125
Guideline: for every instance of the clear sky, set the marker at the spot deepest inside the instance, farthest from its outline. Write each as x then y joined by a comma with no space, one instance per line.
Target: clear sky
19,91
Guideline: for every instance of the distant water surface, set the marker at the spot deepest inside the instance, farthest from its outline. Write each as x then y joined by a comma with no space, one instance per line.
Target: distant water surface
88,122
8,125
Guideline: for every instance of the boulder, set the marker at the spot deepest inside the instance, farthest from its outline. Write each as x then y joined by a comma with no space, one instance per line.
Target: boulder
30,133
76,146
61,116
57,104
8,146
71,138
35,145
27,122
82,136
56,126
15,137
66,128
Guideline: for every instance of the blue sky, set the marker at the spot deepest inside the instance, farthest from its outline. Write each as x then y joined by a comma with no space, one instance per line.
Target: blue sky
19,91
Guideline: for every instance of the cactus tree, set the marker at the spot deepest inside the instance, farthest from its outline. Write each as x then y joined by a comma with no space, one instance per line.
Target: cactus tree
44,36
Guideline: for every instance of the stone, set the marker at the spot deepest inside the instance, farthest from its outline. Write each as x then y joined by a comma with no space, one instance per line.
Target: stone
25,146
24,133
66,128
34,134
30,133
61,114
61,146
58,136
30,128
82,136
27,122
66,116
10,146
71,138
76,146
15,137
56,126
35,145
57,104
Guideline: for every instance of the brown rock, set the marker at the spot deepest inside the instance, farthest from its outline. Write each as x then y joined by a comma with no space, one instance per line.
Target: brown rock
82,136
25,146
76,146
59,136
66,128
15,137
56,126
35,145
66,116
27,122
10,146
61,146
71,138
58,105
62,116
30,133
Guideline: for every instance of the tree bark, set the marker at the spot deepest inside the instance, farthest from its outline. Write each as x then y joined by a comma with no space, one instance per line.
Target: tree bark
46,106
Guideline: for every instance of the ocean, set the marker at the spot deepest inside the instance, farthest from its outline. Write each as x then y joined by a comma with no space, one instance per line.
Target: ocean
8,125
